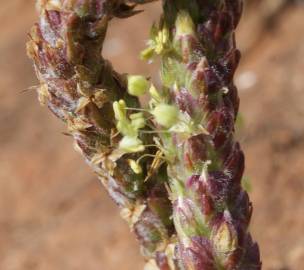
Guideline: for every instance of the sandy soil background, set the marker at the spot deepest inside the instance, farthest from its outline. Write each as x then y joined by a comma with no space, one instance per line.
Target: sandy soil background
54,215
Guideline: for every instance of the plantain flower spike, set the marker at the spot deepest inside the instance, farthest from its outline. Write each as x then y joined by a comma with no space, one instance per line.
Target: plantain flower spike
81,88
186,206
211,210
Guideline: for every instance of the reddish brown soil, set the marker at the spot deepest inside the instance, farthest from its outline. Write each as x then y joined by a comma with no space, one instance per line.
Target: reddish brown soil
53,212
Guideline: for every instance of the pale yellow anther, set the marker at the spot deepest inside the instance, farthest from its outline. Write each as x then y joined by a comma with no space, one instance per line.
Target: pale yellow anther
161,40
137,120
137,85
184,24
154,94
136,168
119,108
165,115
131,145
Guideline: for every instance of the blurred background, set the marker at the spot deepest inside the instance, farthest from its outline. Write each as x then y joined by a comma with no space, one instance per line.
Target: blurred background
54,215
